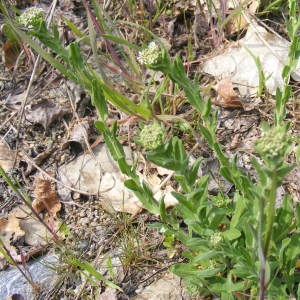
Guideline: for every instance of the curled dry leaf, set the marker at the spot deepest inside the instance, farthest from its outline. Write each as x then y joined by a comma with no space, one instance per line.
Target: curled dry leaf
79,136
11,235
45,197
36,234
227,96
236,20
45,112
6,157
11,50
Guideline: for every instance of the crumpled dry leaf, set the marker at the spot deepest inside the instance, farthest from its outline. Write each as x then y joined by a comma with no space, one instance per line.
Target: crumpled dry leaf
227,96
45,197
14,101
236,20
11,235
36,234
78,136
6,157
238,65
45,112
11,50
10,230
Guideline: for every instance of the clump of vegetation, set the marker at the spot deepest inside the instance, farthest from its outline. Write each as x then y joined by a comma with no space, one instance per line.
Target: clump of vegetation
245,245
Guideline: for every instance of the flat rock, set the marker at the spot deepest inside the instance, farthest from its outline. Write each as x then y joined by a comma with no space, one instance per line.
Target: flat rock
168,287
12,282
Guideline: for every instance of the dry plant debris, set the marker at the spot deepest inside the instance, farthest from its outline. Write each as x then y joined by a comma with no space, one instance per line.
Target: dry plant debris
45,113
21,230
7,157
45,197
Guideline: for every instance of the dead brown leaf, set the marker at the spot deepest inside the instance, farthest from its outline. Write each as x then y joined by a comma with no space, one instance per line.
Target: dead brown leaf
11,235
79,136
236,20
11,50
227,96
45,197
6,157
36,234
45,113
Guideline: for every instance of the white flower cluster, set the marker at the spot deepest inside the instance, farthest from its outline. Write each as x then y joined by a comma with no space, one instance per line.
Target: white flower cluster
149,55
32,17
216,238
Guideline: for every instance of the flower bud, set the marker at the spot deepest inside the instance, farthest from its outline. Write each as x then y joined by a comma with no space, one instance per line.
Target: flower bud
152,136
274,144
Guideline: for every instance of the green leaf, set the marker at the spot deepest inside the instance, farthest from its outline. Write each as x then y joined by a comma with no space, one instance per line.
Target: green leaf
297,209
115,148
43,53
226,287
285,169
206,256
261,172
284,244
98,100
121,41
231,234
75,57
240,205
51,41
86,266
73,27
198,244
225,172
171,156
207,134
186,270
125,104
192,172
144,194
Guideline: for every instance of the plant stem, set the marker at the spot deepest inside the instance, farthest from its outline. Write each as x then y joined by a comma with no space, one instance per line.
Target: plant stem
261,255
270,213
266,217
12,260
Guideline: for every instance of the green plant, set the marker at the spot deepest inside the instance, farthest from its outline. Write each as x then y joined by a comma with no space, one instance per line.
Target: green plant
261,76
242,245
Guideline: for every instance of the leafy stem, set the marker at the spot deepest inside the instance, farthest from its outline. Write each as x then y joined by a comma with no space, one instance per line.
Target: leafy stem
270,211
